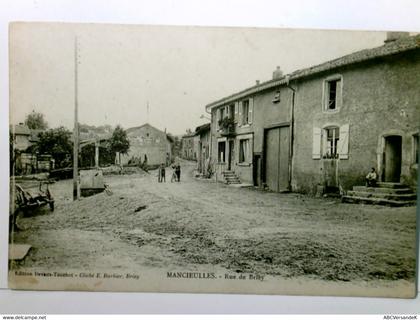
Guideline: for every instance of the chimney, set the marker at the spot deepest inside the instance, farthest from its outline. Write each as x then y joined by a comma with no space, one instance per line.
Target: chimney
257,82
392,36
277,73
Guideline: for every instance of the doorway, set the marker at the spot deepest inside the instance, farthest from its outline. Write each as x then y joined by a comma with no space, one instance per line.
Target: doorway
256,170
277,158
231,154
392,158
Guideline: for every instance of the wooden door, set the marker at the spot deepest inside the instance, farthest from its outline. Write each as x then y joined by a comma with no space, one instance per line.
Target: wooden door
277,159
284,159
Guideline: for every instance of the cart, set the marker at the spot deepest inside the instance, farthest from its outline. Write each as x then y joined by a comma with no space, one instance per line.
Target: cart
26,203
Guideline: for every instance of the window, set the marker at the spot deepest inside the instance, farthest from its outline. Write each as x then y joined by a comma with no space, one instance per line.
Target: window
276,98
332,142
332,94
232,111
245,112
332,135
221,151
416,148
243,150
222,113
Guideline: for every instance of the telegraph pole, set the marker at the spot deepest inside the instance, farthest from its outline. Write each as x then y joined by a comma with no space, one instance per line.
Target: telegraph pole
148,110
76,127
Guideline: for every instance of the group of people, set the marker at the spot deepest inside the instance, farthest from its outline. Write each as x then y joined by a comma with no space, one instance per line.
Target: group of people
176,173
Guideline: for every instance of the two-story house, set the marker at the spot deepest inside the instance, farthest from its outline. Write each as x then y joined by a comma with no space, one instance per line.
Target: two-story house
326,125
149,144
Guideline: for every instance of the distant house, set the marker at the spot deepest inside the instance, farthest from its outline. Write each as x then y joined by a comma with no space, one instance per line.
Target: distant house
27,162
190,146
150,143
21,136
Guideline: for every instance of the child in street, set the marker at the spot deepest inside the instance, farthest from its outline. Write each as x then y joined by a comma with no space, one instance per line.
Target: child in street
174,176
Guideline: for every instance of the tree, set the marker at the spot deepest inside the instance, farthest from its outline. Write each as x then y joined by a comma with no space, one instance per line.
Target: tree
35,120
119,141
56,142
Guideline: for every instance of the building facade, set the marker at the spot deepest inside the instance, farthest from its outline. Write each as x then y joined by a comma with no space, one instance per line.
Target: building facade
204,143
325,126
26,161
150,143
190,146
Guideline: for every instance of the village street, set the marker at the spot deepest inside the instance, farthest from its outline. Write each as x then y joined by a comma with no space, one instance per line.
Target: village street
202,225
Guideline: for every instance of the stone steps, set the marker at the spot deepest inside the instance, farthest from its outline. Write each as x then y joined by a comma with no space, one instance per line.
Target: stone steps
395,196
231,178
384,193
380,201
393,185
381,190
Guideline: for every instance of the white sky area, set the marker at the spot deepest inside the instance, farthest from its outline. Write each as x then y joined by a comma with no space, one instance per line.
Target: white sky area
178,70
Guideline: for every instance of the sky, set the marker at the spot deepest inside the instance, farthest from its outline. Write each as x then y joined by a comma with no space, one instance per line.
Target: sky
175,70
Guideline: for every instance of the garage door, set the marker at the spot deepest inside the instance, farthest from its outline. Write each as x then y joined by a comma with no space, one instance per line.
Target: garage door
277,159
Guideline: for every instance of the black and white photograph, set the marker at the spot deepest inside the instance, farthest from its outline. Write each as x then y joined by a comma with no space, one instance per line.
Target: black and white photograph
213,159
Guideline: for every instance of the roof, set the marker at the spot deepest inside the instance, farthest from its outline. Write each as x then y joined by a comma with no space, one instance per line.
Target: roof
203,128
189,135
143,125
401,45
20,129
85,136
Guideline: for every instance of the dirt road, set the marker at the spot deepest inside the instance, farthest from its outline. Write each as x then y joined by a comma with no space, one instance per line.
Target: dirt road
195,223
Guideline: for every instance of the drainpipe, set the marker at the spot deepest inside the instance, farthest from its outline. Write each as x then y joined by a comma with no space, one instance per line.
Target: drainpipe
292,128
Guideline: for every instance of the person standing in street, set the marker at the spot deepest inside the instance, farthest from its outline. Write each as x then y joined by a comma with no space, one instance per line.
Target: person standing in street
174,176
178,172
162,173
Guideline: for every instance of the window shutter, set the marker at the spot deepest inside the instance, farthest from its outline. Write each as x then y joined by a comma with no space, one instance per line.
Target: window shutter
316,143
325,147
343,142
338,95
236,111
250,109
240,113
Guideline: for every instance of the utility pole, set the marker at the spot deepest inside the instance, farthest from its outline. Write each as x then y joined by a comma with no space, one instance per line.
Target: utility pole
148,110
76,127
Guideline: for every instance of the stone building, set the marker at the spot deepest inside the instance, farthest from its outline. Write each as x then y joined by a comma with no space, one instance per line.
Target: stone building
148,142
204,143
26,161
326,125
190,146
21,136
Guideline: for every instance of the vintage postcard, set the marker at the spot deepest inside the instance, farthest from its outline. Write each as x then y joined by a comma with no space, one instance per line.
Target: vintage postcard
213,160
